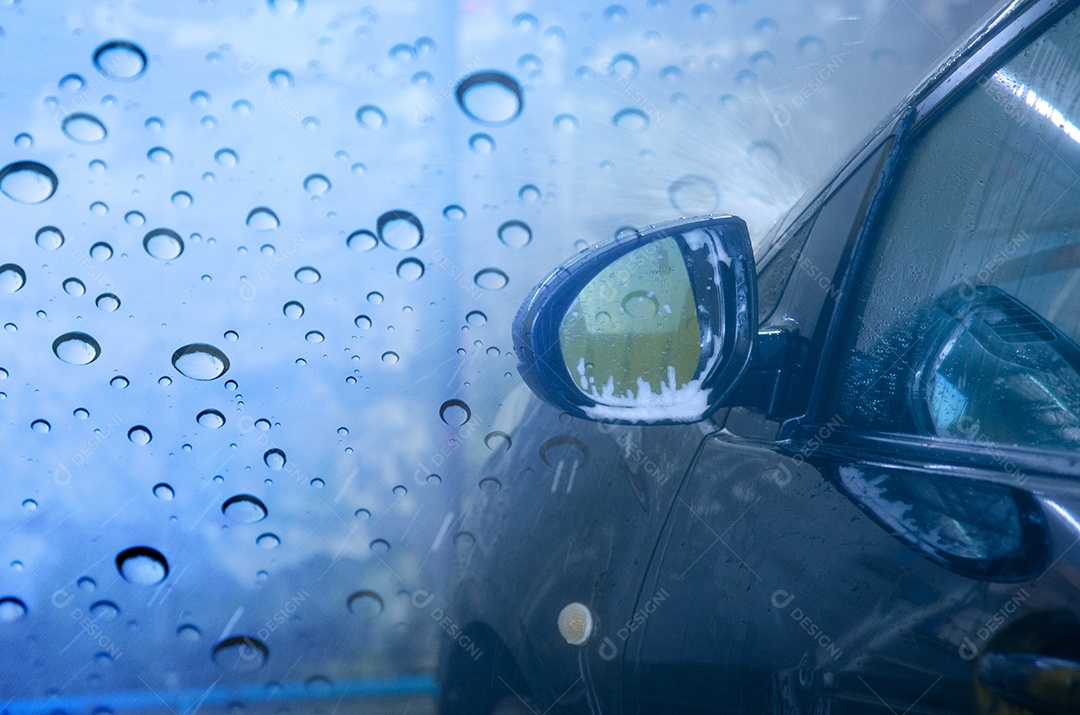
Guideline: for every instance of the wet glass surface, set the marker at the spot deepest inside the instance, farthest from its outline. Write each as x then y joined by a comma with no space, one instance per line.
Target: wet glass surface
257,270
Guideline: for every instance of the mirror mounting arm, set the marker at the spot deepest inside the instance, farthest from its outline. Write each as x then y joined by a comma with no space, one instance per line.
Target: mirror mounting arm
774,362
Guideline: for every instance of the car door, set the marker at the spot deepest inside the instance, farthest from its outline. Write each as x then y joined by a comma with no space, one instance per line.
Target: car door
906,544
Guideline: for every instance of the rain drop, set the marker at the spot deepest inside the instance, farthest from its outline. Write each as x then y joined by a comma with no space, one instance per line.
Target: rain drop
12,278
107,302
365,603
515,234
11,609
240,654
400,230
76,348
163,491
84,128
101,251
200,361
139,435
72,286
316,184
490,98
307,274
211,419
49,237
28,182
268,541
293,309
244,509
275,459
455,413
491,279
262,219
631,119
371,117
163,244
694,194
362,240
142,565
120,59
410,269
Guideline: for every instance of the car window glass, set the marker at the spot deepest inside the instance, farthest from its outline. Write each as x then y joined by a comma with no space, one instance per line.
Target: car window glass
966,319
774,276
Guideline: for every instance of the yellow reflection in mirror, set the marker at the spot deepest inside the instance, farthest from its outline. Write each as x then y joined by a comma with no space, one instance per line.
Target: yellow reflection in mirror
634,324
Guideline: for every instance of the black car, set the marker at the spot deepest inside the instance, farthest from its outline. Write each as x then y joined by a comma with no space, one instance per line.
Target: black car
835,474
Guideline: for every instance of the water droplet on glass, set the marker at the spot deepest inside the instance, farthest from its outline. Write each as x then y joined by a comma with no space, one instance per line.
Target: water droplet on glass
268,541
163,243
120,59
281,78
453,212
286,7
12,278
566,123
163,491
275,459
314,336
28,182
76,348
362,240
490,485
528,192
293,309
379,547
262,219
362,321
119,382
631,119
107,301
49,237
490,97
104,610
23,141
182,199
84,128
491,279
694,194
244,509
72,286
371,117
455,413
40,426
226,157
11,609
475,318
400,230
160,155
410,269
240,654
142,565
515,234
390,357
316,184
101,251
139,435
71,82
200,361
481,143
307,274
365,603
189,632
211,419
402,53
497,441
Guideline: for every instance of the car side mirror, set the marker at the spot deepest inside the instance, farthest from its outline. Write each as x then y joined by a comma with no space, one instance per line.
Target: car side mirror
655,327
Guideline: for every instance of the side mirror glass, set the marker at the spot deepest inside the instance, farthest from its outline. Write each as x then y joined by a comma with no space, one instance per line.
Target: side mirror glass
655,327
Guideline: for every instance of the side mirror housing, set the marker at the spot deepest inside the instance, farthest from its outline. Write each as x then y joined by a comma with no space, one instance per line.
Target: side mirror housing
655,327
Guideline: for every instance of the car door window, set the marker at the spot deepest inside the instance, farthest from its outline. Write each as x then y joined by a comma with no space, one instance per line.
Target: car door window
967,312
